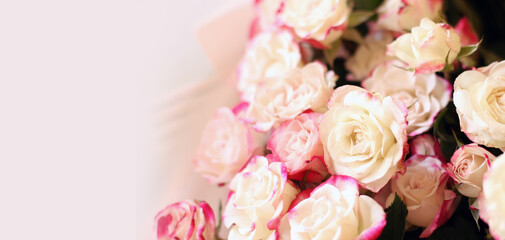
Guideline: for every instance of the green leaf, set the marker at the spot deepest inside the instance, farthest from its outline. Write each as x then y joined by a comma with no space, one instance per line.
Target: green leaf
359,17
396,214
367,4
468,50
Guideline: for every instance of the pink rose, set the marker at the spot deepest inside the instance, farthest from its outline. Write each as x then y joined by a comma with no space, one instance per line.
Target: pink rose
467,167
260,195
334,210
296,143
319,22
283,98
402,15
465,32
424,94
226,145
426,145
364,136
186,220
423,189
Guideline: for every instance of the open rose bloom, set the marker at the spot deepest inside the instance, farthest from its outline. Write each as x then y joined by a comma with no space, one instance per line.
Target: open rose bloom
306,153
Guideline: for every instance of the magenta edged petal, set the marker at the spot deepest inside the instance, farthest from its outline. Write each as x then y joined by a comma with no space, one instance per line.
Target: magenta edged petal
342,182
300,197
242,106
444,213
374,231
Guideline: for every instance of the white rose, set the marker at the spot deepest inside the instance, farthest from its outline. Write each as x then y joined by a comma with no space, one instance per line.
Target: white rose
479,96
364,136
283,98
334,210
424,94
402,15
467,167
319,22
188,220
369,54
423,189
427,47
268,54
266,13
260,196
225,146
492,200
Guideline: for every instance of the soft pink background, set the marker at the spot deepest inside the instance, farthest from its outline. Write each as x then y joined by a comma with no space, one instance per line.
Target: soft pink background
101,103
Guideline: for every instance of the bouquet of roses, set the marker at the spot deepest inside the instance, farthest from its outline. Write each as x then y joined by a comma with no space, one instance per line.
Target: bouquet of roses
358,120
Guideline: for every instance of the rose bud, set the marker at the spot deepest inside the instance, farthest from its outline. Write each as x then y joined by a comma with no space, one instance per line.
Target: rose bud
364,136
296,143
186,220
423,189
427,145
260,194
428,47
334,210
467,167
492,199
479,97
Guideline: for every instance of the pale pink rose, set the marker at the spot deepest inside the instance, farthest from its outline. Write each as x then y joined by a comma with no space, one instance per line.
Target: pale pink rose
296,143
283,98
266,12
334,210
427,47
427,145
466,33
425,95
467,167
364,136
268,54
423,189
226,145
319,22
369,54
492,199
186,220
479,97
260,195
402,15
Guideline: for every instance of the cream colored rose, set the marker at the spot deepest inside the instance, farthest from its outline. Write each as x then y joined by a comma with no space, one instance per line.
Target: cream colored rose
188,220
268,54
285,97
260,195
427,47
424,94
467,167
334,210
320,22
492,200
369,54
226,145
479,96
402,15
266,13
423,189
364,136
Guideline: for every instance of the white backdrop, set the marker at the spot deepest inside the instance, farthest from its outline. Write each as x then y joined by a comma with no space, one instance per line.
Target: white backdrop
89,124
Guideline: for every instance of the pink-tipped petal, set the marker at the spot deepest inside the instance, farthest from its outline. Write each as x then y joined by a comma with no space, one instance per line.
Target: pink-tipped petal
444,213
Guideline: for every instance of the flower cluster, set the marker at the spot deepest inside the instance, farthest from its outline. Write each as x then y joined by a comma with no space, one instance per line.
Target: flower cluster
408,127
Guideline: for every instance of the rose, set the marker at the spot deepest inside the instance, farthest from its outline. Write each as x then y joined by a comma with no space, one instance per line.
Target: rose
492,200
467,167
369,54
283,98
296,143
424,94
266,14
186,220
319,22
334,210
428,48
268,54
479,96
465,32
423,189
402,15
226,145
260,195
427,145
364,136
